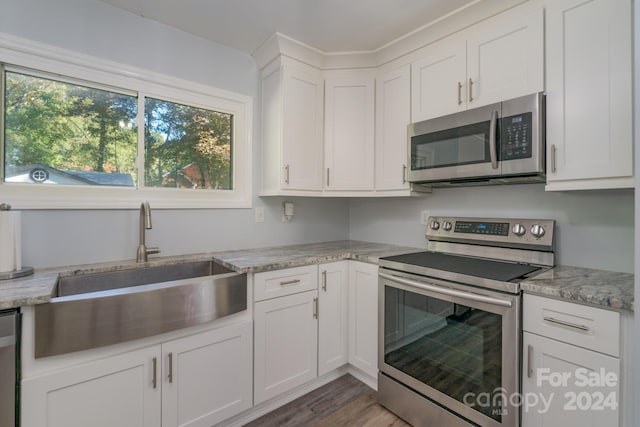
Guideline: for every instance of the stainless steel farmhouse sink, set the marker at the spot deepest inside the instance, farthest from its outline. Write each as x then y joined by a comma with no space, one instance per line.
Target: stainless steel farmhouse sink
97,309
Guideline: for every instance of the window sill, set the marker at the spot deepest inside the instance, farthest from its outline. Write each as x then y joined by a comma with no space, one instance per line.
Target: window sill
34,196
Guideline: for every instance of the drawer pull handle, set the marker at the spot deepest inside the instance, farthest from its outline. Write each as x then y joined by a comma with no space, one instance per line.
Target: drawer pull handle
315,308
290,282
568,324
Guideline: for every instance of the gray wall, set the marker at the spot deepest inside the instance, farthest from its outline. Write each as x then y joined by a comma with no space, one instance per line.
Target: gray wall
594,228
55,238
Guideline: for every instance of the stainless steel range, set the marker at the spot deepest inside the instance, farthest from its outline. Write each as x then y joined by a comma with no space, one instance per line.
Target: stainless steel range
450,321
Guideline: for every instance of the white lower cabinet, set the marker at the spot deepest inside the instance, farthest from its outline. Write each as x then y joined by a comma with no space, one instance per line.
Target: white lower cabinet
571,367
333,343
134,389
363,317
207,377
286,343
557,380
115,391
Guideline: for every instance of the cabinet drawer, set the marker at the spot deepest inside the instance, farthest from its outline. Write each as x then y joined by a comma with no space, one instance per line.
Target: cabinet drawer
277,283
589,327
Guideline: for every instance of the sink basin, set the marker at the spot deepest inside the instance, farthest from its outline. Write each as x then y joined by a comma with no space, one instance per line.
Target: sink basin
96,282
98,309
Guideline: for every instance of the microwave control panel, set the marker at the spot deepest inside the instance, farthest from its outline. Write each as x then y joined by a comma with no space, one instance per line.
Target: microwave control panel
515,137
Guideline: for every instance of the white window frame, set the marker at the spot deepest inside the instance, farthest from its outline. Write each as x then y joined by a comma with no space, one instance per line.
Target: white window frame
22,53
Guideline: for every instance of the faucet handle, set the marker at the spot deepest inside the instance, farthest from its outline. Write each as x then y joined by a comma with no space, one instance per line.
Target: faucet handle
153,250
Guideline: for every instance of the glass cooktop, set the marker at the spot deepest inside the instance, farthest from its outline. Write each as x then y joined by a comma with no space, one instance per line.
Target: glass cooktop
487,269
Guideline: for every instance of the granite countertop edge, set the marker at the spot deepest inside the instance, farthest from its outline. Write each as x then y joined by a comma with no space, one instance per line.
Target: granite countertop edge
38,288
606,289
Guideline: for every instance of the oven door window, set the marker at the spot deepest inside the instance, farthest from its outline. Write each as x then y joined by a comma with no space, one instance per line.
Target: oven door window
463,145
449,347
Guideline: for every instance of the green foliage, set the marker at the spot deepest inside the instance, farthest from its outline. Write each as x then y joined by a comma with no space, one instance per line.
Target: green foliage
186,146
73,127
68,127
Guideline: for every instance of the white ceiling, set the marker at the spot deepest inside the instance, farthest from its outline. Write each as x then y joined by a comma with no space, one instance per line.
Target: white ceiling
328,25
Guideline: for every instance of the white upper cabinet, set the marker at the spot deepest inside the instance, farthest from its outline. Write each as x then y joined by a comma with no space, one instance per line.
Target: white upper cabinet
505,58
498,59
589,94
438,80
393,114
349,131
292,120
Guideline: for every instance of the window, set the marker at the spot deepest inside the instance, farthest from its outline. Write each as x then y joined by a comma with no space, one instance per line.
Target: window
62,133
80,132
186,146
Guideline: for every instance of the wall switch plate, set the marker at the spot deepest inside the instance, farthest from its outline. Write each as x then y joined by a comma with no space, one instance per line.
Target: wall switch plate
259,213
424,217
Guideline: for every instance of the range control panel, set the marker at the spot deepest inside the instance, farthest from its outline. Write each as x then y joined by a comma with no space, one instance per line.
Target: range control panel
521,233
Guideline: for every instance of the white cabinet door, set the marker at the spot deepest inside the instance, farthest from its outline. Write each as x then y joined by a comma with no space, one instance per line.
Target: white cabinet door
115,391
333,344
557,372
363,317
589,94
292,121
393,114
438,80
302,129
349,133
207,377
286,344
505,59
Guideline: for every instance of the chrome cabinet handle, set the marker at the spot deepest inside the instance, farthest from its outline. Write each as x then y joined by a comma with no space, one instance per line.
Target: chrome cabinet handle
324,280
459,93
529,361
492,139
568,324
446,291
404,174
286,174
170,368
553,158
154,377
289,282
470,89
328,174
315,308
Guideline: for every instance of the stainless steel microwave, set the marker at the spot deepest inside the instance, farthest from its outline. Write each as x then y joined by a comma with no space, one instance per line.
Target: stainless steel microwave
496,144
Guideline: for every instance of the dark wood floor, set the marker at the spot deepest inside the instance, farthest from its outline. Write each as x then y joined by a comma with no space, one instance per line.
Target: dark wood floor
345,402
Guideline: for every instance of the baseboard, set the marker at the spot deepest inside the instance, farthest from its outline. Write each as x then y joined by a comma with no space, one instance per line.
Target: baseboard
363,377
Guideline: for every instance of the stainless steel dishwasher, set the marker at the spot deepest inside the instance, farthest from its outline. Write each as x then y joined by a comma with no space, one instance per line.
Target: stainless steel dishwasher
8,345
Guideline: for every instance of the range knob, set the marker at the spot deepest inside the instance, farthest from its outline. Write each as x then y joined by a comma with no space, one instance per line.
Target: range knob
446,226
519,230
537,230
435,225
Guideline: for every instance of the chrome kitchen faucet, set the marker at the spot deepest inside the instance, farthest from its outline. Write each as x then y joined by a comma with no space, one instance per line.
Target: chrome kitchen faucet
145,224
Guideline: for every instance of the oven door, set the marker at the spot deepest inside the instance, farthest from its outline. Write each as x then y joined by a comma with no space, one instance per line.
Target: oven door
458,348
457,146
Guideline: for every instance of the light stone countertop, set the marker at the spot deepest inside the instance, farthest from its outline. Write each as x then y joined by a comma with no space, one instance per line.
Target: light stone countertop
584,285
597,287
39,287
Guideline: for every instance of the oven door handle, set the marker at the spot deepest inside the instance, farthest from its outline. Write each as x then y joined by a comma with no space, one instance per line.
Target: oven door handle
446,291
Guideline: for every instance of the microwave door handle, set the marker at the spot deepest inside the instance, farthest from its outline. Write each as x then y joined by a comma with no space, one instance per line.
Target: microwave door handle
493,139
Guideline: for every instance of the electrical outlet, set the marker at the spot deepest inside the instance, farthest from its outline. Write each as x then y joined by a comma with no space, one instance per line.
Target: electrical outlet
259,213
424,217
